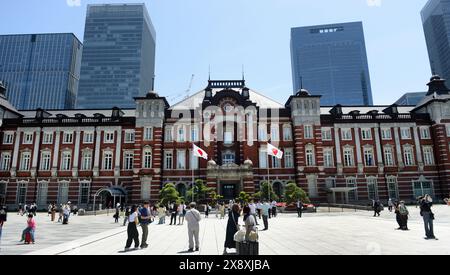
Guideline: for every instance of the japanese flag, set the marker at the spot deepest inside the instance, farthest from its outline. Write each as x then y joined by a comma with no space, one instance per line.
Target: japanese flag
198,152
274,151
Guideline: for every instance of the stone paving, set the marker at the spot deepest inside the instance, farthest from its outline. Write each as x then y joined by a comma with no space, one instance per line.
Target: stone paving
317,234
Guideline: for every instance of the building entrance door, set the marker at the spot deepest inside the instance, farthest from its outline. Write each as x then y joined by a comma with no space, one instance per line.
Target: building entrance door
229,191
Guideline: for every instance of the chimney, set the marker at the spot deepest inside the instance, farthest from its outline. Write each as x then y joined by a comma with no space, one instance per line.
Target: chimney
437,85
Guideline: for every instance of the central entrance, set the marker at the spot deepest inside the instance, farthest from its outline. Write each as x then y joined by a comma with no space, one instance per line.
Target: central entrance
229,191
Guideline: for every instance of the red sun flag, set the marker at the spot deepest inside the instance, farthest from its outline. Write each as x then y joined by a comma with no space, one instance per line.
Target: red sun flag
274,151
198,152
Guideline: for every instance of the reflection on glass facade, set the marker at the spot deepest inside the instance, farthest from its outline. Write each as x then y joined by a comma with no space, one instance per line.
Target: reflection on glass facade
436,24
331,60
40,70
411,99
118,56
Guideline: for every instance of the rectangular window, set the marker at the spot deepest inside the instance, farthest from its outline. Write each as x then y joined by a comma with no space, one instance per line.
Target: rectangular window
194,134
63,192
372,188
68,138
45,161
276,163
287,133
310,156
5,161
346,134
109,137
326,134
348,157
47,138
168,160
262,133
386,134
366,134
147,159
25,161
405,133
425,133
313,191
289,158
275,132
353,194
228,138
181,160
27,138
128,161
368,157
85,188
428,155
86,161
328,160
448,130
422,188
145,189
308,132
42,194
129,136
107,160
148,133
389,156
21,192
408,155
392,187
88,137
262,158
330,183
181,137
66,161
168,135
194,161
8,138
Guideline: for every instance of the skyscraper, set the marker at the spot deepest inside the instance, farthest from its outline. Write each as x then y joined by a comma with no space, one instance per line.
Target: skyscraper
436,25
40,70
118,56
331,60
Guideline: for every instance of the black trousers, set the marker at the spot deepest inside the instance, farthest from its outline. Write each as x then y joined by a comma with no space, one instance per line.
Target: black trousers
133,235
266,222
173,218
299,212
274,211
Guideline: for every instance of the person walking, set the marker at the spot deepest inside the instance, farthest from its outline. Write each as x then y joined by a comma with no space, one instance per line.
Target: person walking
376,208
53,212
274,208
232,227
174,212
265,212
390,205
3,219
132,232
258,209
250,222
252,207
207,209
404,213
144,221
61,213
299,208
31,229
117,215
428,216
193,219
162,214
181,213
66,214
126,215
20,207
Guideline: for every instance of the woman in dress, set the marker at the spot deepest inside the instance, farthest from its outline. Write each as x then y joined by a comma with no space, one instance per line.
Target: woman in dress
232,227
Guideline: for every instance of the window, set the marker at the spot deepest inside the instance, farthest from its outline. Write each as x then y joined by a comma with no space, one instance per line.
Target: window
275,132
85,188
129,136
262,133
145,188
25,161
109,137
42,193
5,161
181,135
326,134
425,133
168,160
147,163
372,188
392,187
389,156
328,157
448,130
348,157
308,132
287,133
386,134
88,137
346,134
313,191
228,138
422,187
168,137
263,158
289,158
65,161
181,160
67,138
405,133
27,138
8,138
353,194
47,138
310,160
148,133
276,163
107,160
45,161
229,158
368,157
408,155
194,164
128,161
428,155
366,134
21,192
194,134
63,192
86,161
330,183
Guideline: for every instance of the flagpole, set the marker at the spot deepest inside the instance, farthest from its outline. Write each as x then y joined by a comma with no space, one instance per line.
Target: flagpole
192,168
268,175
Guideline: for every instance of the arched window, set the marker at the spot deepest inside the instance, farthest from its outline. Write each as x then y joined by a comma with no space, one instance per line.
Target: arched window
147,158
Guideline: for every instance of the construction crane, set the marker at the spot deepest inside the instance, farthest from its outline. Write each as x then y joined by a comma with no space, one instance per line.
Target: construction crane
190,87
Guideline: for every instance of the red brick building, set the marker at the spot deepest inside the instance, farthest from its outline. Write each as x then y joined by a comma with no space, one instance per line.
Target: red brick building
336,154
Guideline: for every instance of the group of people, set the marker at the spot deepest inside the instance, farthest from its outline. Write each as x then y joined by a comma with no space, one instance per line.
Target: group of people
27,209
64,211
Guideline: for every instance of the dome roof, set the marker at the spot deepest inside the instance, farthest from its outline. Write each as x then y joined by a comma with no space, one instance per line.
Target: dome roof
248,162
212,162
303,92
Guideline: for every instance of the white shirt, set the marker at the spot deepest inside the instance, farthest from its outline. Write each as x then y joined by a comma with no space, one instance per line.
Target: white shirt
274,204
132,217
252,208
193,218
258,205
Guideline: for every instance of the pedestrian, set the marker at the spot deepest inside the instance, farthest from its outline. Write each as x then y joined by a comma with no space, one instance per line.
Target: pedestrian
222,211
53,212
117,215
404,213
66,214
20,207
252,207
61,213
265,212
126,215
162,214
274,208
132,232
390,205
173,212
181,213
49,210
232,227
428,216
250,223
299,208
193,219
30,229
259,209
3,219
207,209
144,214
376,207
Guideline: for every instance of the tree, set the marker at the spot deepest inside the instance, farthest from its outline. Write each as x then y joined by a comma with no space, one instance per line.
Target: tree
244,197
169,194
201,192
293,193
215,198
264,192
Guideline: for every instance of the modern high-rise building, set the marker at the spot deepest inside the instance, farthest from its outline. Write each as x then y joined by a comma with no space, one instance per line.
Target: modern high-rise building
436,25
40,70
118,57
331,60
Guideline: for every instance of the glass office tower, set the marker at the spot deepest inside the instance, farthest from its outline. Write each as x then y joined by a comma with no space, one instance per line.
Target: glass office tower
40,70
331,60
436,25
118,56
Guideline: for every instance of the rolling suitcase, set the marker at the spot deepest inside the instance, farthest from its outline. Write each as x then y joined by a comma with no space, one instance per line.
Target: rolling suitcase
28,238
247,248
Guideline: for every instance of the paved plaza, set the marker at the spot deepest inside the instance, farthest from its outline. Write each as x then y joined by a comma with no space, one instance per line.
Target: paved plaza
337,233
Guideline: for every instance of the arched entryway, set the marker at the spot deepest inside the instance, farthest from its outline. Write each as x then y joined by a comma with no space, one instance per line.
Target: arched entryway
181,188
278,189
108,197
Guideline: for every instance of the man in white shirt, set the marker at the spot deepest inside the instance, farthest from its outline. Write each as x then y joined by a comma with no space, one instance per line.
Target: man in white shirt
274,208
258,209
193,219
252,207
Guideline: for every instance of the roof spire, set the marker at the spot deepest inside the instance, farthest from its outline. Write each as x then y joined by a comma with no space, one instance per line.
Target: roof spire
243,72
209,72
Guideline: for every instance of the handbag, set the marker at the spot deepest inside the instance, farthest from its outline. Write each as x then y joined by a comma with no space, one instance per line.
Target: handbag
253,236
240,236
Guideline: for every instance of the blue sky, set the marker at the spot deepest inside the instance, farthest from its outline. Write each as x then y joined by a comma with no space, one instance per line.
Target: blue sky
226,34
